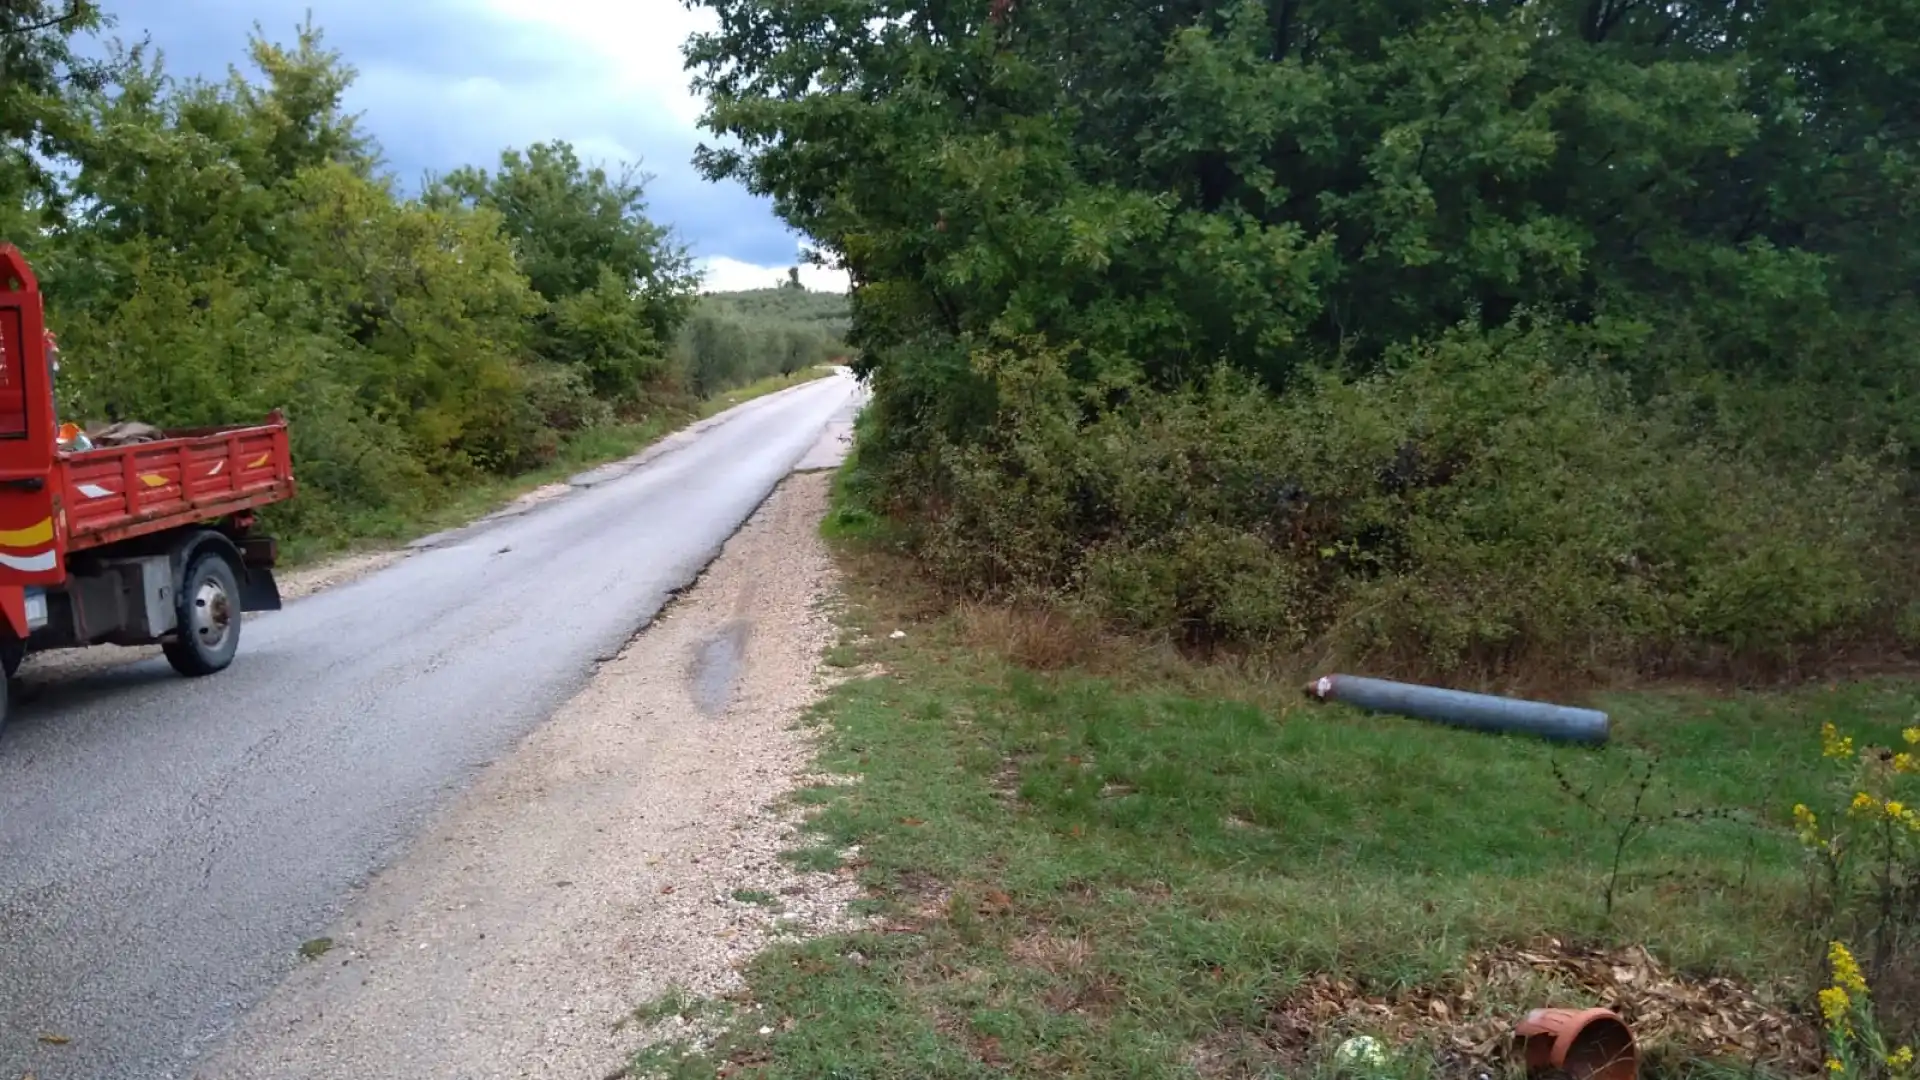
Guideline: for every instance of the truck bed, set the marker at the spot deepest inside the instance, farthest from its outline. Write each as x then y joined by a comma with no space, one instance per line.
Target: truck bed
117,492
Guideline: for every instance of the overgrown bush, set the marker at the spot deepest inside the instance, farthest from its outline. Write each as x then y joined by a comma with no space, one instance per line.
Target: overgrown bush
1486,501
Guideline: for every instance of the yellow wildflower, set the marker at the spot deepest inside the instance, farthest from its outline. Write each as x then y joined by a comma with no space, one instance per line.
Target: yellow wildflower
1846,971
1906,763
1864,803
1835,1066
1913,736
1901,1058
1834,1004
1833,744
1896,809
1806,825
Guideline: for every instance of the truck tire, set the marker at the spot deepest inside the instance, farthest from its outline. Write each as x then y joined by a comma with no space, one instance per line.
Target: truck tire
207,617
12,653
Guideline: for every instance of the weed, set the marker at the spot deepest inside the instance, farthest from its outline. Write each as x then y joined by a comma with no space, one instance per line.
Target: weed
1858,1047
818,859
673,1002
1629,824
1626,827
1864,860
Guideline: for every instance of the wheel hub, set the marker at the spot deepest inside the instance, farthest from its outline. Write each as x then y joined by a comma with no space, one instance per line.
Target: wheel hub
212,614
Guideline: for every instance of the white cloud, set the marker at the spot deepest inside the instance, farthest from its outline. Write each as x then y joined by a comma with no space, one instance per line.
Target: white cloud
732,275
627,95
445,83
632,47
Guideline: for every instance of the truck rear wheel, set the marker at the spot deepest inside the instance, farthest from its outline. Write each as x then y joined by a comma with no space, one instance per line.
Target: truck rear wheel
207,626
12,652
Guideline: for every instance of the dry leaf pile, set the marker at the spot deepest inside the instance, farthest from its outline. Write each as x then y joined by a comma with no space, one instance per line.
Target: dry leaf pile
1472,1019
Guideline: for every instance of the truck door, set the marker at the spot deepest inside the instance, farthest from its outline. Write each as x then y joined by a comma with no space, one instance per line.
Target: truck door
32,538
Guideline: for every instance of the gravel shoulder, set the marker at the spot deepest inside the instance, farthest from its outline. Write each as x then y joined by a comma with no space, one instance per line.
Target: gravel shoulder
627,848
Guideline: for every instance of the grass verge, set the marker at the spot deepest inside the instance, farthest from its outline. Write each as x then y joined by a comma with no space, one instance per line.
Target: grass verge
581,451
1170,872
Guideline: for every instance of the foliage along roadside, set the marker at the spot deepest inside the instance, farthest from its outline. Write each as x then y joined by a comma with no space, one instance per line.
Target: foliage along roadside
1154,869
1491,505
214,250
1671,251
586,449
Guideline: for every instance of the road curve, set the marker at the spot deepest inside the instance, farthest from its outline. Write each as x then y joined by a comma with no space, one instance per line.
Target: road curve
167,845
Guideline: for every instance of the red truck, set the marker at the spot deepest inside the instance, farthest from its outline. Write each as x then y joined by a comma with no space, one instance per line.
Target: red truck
127,545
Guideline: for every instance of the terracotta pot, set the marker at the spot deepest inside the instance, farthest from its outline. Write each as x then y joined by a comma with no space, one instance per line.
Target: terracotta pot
1585,1044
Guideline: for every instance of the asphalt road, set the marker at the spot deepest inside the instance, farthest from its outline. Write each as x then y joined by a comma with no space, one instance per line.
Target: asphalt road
167,845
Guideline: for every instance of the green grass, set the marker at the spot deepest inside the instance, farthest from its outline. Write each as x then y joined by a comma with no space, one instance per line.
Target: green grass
1120,877
581,451
675,1002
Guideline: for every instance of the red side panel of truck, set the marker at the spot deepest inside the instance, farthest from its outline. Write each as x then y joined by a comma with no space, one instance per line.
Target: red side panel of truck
188,477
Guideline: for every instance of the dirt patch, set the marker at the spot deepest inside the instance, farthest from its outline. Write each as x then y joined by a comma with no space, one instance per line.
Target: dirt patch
628,849
1470,1023
1076,985
543,493
73,663
305,581
1037,638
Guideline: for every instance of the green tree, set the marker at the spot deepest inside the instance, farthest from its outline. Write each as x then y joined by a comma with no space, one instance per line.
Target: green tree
610,335
231,247
38,70
617,285
1714,207
213,249
1264,180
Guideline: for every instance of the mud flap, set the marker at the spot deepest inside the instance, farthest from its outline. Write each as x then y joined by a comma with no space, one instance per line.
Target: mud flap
258,590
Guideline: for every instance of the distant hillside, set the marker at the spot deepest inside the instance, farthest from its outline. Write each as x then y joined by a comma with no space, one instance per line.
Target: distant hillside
801,307
735,337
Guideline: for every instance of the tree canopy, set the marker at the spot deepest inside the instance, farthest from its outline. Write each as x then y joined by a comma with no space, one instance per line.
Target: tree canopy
38,67
1260,179
1713,206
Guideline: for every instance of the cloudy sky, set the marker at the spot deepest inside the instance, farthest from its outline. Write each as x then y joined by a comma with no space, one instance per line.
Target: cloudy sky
451,82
